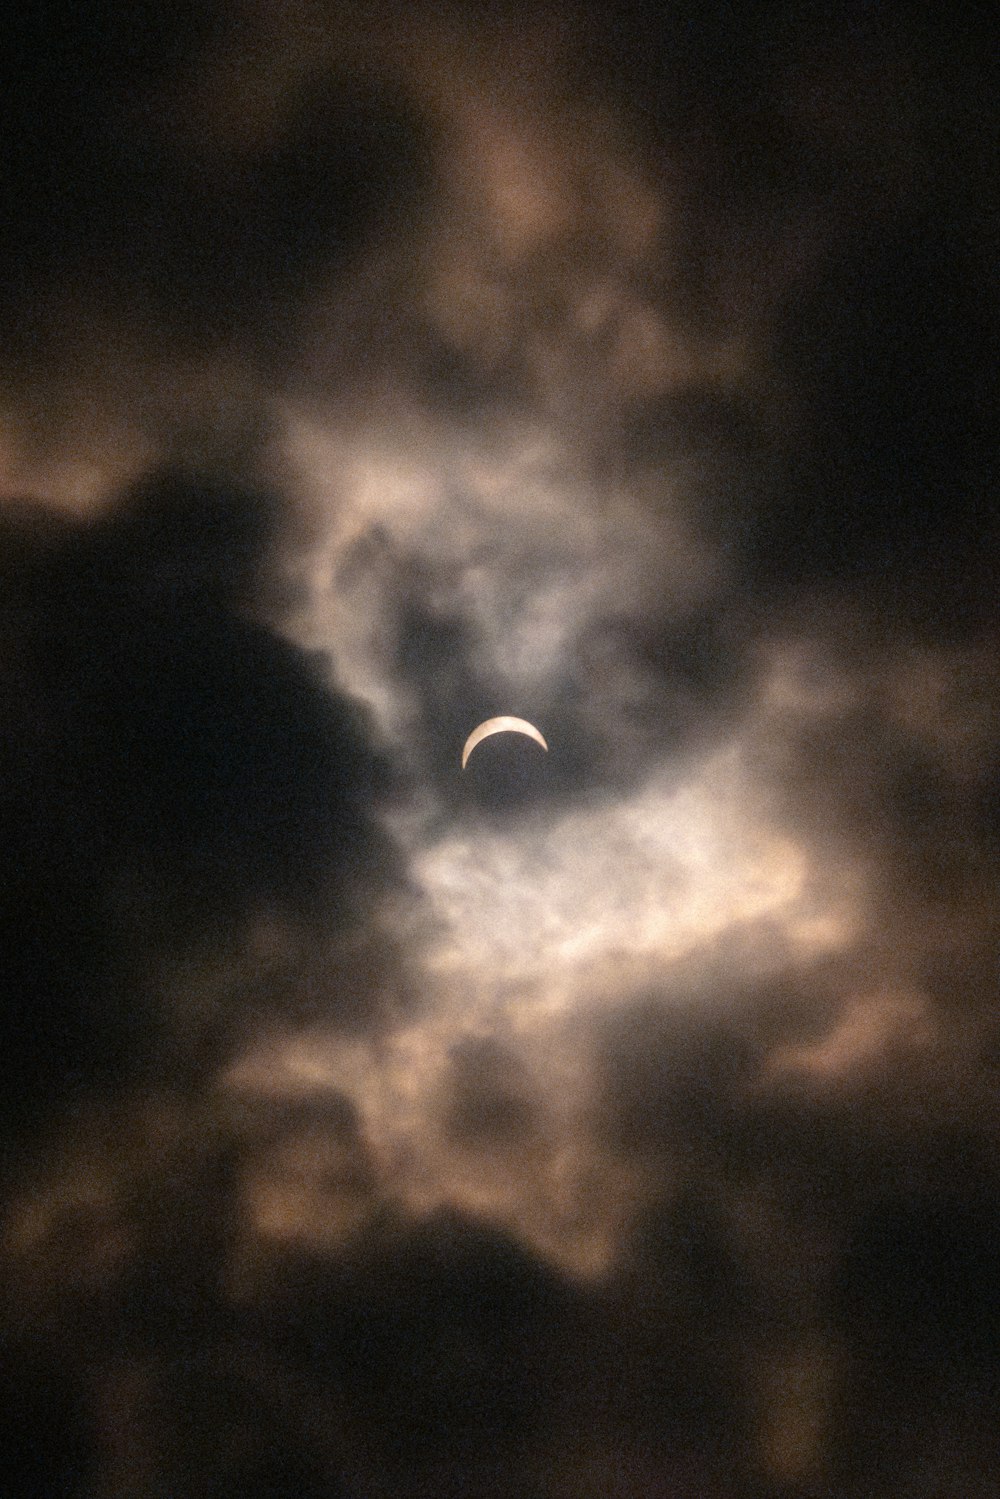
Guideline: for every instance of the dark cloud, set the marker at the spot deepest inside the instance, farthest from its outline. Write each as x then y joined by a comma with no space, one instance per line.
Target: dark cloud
123,185
674,1078
172,770
445,1338
491,1102
619,1120
897,353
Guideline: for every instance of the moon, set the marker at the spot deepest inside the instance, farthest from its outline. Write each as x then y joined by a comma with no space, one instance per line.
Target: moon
502,725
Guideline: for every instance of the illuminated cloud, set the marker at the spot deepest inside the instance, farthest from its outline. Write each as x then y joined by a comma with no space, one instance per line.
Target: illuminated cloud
382,1128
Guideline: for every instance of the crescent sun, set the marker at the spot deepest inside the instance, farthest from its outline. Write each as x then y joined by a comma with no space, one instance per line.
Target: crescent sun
501,725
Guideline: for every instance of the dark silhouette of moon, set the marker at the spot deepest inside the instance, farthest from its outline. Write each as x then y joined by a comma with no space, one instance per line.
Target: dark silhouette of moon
500,725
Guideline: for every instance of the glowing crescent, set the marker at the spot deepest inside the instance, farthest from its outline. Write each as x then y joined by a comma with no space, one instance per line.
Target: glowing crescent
500,726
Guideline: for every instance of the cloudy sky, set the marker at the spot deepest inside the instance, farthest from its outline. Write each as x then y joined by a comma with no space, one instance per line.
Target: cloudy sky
617,1121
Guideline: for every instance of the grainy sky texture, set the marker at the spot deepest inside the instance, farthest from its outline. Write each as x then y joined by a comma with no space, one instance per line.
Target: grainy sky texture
614,1123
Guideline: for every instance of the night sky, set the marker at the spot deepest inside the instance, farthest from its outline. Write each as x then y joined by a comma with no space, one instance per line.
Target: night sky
621,1122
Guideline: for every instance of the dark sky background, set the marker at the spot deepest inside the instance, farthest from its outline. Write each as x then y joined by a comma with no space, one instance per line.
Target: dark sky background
618,1122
